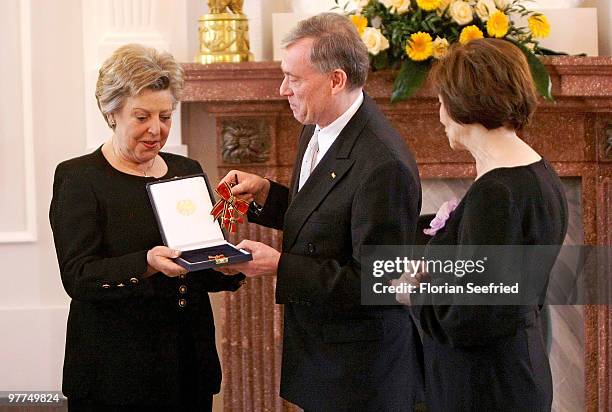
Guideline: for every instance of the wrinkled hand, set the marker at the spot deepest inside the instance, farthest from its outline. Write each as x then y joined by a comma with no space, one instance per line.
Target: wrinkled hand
250,187
264,263
160,258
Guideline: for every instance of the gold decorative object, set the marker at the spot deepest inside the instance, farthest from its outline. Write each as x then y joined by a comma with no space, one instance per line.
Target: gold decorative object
186,207
224,33
219,259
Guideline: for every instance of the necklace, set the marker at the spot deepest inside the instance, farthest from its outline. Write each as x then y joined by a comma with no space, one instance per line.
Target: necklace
145,172
148,169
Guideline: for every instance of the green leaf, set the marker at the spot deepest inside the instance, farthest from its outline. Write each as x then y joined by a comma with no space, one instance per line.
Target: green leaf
539,73
548,52
380,61
410,78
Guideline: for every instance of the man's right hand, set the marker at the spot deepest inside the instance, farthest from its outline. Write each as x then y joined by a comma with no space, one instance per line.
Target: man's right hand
250,187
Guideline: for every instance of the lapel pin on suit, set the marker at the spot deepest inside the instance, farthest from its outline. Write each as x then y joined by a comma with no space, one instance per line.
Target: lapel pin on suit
333,175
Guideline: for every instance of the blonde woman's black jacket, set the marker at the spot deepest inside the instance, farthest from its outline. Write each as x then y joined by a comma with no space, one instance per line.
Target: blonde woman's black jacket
130,340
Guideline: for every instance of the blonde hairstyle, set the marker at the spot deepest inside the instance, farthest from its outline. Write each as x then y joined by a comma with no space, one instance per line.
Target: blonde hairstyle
131,69
336,45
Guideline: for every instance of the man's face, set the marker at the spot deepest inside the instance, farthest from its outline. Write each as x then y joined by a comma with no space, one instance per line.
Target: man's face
308,90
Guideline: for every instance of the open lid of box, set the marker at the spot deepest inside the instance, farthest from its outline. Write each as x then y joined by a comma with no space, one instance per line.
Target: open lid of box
182,207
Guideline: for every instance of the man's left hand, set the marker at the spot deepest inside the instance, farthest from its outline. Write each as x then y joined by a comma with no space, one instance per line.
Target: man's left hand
264,263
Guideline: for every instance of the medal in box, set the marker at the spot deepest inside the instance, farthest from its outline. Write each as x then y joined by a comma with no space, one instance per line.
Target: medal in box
183,207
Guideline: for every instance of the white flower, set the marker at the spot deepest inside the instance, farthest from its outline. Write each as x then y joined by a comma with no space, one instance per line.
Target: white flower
461,12
359,4
501,4
485,9
444,4
374,40
396,6
440,47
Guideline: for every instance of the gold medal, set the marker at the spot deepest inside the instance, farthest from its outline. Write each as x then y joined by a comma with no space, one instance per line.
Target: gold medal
219,259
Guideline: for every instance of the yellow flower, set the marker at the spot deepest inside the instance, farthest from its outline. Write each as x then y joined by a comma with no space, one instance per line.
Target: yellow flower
497,26
360,22
420,46
470,33
539,26
440,47
428,5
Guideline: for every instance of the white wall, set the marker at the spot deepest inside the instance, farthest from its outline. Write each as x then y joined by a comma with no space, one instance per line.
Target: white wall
604,20
32,302
53,98
109,24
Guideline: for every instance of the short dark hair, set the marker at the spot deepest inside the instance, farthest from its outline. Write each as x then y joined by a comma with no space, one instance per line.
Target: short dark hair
486,81
336,45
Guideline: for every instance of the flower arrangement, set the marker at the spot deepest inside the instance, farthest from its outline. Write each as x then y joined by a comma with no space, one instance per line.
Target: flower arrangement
410,35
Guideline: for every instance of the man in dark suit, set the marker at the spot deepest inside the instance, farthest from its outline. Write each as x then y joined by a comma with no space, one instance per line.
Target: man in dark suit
354,184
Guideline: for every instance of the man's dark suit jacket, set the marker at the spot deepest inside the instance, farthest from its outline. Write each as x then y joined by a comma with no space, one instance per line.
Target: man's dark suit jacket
337,354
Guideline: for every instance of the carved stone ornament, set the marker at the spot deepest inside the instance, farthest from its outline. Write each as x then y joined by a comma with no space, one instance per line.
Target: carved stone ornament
245,141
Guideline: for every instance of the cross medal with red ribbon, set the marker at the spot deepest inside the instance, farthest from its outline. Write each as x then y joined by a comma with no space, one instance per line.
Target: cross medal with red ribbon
228,207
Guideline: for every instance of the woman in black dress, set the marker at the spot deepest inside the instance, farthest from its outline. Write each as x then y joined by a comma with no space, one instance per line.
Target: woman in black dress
491,358
141,333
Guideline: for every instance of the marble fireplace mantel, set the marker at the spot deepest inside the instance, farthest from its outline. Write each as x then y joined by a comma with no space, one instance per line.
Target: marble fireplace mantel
234,117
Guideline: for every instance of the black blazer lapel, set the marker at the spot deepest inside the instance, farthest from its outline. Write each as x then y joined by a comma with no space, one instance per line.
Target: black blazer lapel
337,161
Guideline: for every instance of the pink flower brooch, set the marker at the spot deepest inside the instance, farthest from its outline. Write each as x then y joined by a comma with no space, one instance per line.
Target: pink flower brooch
442,216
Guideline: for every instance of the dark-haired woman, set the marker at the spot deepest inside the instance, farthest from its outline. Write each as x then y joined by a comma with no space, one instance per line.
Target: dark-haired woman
488,357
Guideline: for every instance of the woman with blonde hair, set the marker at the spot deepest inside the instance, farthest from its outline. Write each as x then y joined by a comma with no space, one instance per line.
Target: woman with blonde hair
140,333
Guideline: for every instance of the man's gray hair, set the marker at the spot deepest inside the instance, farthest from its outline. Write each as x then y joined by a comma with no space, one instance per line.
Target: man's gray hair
336,45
